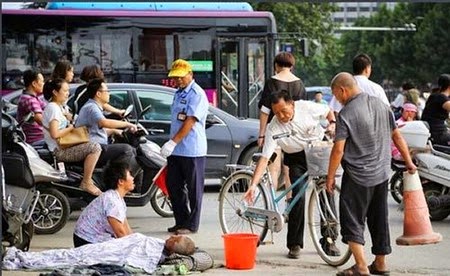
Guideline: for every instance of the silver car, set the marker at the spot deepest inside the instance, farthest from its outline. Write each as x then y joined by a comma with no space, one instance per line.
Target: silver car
230,139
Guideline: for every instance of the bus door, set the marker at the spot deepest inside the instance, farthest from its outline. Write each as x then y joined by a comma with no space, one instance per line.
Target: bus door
242,66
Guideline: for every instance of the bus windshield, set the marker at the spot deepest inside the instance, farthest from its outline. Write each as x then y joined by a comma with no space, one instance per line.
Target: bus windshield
229,45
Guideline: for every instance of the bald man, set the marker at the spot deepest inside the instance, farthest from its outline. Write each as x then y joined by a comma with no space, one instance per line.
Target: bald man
364,128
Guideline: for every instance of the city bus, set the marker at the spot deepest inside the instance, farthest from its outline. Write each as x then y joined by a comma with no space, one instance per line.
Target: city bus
230,46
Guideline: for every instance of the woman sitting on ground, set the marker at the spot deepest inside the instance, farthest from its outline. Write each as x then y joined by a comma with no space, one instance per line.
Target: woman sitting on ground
105,217
56,125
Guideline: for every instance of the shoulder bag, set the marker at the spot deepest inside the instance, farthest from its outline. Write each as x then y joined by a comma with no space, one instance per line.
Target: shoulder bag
76,136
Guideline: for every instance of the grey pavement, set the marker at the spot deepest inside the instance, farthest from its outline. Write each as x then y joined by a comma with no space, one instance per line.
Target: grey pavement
271,259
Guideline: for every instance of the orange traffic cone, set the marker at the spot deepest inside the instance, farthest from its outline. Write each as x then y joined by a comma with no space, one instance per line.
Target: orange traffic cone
416,224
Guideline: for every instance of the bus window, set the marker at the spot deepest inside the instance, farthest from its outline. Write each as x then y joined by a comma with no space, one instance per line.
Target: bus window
155,47
138,45
110,50
229,76
158,48
256,62
50,47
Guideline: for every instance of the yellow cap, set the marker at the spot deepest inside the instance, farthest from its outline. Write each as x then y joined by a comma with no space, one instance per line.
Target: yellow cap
180,68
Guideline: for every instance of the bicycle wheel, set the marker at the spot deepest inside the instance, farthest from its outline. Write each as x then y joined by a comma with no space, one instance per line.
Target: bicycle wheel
232,206
324,226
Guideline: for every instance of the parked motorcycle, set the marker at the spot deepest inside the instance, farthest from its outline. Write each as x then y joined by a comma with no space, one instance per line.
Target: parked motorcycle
22,172
149,159
433,166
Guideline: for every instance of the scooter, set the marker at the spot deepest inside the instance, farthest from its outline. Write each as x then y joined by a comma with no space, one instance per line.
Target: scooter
434,172
149,159
433,166
22,173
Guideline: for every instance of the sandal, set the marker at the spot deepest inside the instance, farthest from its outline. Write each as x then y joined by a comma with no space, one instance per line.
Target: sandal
89,186
373,270
352,271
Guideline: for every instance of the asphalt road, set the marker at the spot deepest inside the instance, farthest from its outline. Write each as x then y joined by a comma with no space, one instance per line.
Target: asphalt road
271,259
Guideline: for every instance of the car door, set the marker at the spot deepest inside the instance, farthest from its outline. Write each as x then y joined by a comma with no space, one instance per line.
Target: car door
158,119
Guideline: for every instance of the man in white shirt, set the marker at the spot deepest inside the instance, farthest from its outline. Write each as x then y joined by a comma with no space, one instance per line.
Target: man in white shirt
294,121
362,69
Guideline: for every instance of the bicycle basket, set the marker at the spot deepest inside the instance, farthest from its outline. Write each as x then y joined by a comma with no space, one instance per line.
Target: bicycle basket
317,158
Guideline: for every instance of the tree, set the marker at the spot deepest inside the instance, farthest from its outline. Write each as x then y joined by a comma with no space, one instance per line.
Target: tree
432,51
418,56
311,21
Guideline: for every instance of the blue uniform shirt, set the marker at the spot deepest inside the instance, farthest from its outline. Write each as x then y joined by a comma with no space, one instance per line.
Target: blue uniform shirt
89,116
193,102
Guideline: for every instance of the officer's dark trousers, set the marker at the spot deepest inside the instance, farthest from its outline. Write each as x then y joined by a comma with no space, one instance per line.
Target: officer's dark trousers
296,222
185,183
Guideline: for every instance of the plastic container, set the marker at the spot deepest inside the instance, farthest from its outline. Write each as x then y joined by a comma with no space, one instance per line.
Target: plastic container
415,134
240,250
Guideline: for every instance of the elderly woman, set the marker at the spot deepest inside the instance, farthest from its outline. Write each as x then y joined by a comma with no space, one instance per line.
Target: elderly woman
409,113
56,125
135,250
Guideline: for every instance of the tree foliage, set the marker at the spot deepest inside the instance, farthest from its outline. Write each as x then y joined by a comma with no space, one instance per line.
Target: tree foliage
311,21
418,56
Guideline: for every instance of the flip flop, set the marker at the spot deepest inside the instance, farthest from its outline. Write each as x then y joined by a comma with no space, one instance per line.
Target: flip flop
352,271
373,270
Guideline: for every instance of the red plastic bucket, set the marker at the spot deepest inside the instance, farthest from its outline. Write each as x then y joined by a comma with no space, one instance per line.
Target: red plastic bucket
240,250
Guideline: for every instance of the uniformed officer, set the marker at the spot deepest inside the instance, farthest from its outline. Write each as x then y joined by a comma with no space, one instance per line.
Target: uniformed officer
186,150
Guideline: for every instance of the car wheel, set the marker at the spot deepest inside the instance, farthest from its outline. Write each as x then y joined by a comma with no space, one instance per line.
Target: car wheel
246,158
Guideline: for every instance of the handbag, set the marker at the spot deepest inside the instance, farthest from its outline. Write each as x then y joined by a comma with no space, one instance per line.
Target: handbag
76,136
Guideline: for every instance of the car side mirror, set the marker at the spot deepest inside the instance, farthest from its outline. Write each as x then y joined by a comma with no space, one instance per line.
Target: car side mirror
211,119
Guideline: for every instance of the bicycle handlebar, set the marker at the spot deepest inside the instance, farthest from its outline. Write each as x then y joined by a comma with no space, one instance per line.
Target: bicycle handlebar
293,133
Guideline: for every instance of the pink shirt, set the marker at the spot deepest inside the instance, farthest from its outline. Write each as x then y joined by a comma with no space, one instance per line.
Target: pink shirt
30,103
394,150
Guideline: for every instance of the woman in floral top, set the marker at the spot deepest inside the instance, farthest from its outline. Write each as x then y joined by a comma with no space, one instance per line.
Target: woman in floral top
105,217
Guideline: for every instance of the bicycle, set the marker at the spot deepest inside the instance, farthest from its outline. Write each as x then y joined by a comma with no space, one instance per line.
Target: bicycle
264,214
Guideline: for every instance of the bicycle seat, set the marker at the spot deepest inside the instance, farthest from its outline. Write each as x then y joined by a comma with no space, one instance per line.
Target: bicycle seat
39,144
43,151
256,156
441,148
